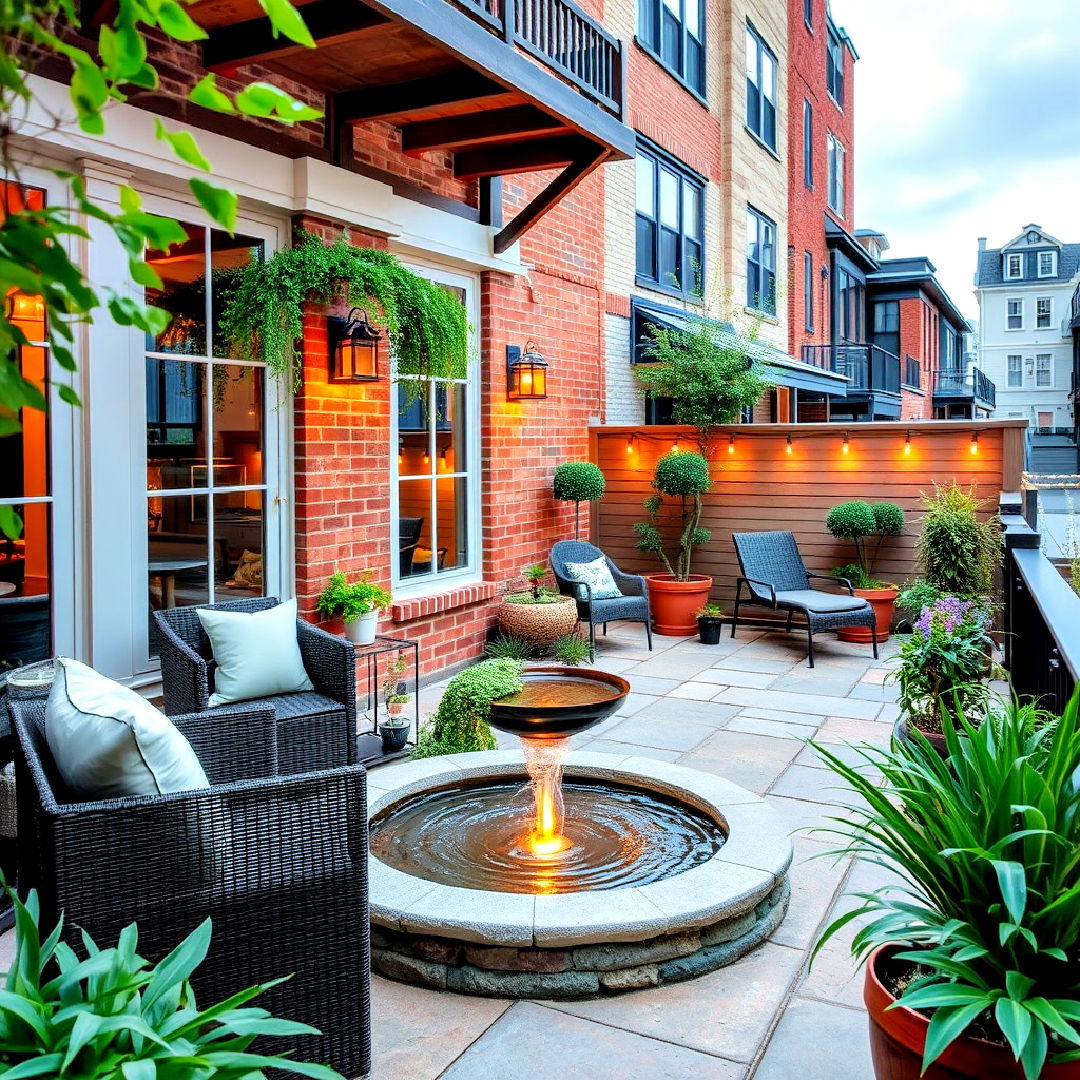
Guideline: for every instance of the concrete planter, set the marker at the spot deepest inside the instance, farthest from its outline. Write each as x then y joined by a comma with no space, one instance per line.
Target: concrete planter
538,624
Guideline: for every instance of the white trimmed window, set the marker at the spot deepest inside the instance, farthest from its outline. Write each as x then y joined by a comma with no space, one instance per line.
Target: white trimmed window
1044,312
1047,264
1044,369
836,157
1015,369
1014,314
1014,266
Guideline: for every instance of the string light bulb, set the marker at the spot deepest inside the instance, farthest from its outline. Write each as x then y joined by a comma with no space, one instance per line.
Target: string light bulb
442,460
788,449
731,443
907,444
974,442
675,447
630,445
846,444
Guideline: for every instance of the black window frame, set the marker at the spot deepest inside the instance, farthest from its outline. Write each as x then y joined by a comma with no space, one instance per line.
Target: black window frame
668,39
757,116
808,291
834,67
758,272
808,144
688,276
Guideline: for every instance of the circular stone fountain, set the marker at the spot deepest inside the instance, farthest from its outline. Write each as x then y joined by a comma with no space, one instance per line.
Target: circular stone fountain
547,874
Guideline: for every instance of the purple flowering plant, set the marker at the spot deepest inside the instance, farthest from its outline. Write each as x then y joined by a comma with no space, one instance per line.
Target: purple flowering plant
944,661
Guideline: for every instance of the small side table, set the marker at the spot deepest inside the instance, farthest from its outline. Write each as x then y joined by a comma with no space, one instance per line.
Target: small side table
369,743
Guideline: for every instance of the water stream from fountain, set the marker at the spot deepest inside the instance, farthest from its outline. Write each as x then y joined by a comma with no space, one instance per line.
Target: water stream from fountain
544,759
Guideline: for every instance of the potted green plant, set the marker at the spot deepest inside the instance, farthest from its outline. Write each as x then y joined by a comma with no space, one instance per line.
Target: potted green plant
110,1014
710,620
460,725
537,614
577,482
358,603
866,526
676,595
959,551
394,730
943,666
973,956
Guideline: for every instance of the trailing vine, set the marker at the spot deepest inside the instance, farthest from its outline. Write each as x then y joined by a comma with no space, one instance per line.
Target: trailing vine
426,325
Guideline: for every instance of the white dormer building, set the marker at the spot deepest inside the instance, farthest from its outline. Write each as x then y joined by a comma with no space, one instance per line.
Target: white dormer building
1024,291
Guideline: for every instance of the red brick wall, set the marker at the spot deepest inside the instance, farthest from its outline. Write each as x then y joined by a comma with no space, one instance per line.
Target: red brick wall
807,208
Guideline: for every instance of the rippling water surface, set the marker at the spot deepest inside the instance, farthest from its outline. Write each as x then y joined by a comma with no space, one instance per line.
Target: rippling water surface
475,837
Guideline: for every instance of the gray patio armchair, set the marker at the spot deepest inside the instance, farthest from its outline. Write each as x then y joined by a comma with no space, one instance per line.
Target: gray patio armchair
775,576
631,606
316,728
278,862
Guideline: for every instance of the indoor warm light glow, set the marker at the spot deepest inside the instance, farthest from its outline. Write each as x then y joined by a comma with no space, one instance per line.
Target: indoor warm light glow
25,307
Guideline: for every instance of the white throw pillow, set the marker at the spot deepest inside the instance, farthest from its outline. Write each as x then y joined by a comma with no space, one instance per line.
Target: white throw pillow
256,652
595,574
108,741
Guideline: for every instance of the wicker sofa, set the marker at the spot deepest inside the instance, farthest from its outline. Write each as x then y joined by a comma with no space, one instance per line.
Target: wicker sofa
316,728
279,862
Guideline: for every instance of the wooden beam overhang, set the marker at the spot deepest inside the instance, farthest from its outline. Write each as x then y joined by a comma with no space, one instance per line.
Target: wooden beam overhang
534,156
415,99
499,125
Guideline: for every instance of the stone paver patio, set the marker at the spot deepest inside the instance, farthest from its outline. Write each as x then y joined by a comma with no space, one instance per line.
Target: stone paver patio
740,710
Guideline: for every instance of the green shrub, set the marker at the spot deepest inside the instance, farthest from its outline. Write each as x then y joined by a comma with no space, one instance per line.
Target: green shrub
459,725
350,601
987,908
578,481
110,1015
958,552
917,594
858,522
684,476
571,650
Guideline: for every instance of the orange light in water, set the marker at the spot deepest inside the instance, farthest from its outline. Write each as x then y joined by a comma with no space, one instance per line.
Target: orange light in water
546,838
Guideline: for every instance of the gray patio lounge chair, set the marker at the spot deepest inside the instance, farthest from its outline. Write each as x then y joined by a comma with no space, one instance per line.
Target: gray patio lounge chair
278,862
631,606
316,728
775,576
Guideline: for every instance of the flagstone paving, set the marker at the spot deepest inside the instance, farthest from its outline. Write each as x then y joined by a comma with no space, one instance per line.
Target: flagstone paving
741,711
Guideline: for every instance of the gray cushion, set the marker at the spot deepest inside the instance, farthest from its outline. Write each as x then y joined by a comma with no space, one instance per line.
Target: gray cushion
815,600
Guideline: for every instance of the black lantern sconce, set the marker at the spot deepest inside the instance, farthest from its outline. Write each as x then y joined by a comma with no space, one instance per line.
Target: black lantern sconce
526,373
354,348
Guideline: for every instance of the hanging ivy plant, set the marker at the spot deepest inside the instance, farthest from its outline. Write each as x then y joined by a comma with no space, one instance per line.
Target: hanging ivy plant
426,325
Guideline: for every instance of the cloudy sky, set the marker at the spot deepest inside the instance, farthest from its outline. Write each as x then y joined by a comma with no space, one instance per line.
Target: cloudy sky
968,124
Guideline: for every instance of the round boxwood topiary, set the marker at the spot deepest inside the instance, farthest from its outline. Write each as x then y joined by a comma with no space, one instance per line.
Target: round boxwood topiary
851,521
683,473
577,482
888,519
857,522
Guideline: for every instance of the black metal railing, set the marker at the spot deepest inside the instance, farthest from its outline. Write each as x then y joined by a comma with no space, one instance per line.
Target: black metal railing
974,384
869,368
1076,307
912,373
563,36
1041,617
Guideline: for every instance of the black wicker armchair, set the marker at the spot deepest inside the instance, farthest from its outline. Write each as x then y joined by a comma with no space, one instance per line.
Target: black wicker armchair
631,606
278,862
316,728
775,576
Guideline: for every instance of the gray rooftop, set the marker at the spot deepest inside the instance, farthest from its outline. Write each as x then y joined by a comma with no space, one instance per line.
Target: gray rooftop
990,271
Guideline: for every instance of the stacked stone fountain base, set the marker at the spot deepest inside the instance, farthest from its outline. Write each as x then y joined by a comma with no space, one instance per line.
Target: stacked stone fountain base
588,943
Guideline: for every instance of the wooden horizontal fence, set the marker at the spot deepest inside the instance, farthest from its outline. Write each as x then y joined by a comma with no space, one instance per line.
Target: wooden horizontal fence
761,482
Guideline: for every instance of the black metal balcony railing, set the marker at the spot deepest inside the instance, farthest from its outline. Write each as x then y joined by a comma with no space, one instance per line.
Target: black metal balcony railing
976,385
869,368
912,373
563,36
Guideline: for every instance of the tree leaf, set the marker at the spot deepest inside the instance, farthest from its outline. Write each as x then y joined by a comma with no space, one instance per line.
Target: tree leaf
183,146
67,394
206,93
288,21
176,22
219,203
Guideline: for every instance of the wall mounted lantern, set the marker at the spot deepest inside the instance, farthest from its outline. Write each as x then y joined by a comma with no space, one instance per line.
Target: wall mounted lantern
354,348
526,373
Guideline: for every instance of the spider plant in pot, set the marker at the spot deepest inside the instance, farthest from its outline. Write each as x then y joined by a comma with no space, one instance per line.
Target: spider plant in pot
358,603
866,527
537,614
675,596
973,955
710,620
943,666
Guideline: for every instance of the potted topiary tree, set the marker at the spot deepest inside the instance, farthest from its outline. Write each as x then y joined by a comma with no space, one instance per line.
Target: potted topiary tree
538,615
866,527
358,604
676,595
577,482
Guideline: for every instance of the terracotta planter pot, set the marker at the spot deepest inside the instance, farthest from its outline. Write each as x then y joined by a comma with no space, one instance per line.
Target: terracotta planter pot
673,603
539,624
902,733
882,601
897,1038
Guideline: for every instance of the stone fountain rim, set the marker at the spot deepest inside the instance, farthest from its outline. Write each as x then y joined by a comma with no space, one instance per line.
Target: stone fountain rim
740,875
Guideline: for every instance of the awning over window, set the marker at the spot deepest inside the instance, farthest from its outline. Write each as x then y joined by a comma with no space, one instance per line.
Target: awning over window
780,368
